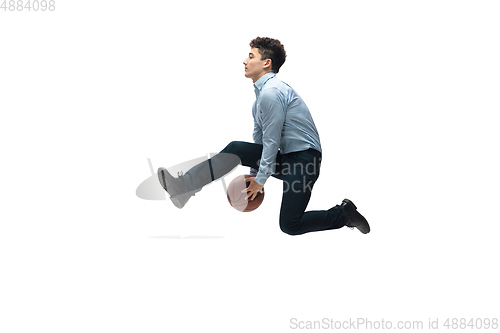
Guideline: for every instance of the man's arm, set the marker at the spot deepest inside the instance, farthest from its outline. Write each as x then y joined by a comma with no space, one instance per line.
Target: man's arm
257,132
257,138
272,114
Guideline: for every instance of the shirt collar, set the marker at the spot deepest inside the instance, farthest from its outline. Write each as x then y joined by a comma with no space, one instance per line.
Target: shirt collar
260,82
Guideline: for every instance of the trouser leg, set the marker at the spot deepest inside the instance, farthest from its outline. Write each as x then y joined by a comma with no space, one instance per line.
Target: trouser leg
235,153
299,171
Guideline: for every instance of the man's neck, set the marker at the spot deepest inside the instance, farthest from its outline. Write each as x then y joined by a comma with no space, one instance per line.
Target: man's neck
261,75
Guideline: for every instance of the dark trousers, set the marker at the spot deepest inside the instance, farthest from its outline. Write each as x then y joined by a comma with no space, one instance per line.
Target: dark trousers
298,171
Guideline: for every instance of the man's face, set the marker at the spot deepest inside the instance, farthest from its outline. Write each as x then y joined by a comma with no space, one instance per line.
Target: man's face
255,67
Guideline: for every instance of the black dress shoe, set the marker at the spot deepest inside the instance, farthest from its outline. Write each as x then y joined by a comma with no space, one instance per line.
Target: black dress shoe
356,220
175,187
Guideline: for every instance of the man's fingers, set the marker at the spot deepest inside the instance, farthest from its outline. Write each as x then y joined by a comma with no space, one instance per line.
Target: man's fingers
251,191
251,195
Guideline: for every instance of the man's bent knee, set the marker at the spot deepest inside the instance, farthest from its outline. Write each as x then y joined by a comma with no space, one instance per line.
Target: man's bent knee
289,228
233,147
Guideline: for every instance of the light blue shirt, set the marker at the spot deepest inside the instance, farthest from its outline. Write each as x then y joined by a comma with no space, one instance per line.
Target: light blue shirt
282,122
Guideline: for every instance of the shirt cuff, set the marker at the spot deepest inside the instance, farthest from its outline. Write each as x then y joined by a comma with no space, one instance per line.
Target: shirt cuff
261,178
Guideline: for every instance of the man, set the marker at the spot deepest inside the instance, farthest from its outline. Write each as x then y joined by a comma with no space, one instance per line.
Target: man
286,146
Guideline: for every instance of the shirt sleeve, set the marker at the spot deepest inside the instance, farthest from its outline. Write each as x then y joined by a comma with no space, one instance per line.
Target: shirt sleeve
257,132
272,116
257,138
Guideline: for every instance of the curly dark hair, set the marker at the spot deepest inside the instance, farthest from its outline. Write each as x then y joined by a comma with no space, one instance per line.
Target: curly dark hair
270,48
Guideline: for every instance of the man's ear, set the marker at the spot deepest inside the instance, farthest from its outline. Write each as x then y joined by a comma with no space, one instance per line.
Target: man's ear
268,63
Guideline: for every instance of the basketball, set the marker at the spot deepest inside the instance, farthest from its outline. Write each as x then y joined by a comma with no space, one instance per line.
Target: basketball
239,200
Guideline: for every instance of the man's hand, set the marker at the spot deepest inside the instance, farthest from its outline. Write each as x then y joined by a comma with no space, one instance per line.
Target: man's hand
253,189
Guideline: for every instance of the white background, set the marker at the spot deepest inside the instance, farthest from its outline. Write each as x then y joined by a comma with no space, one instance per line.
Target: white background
405,95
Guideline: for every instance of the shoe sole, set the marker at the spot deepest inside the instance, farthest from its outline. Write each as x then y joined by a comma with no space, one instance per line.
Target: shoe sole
161,178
